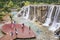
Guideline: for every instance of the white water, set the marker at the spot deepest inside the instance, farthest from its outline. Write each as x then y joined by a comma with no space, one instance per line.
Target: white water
34,14
19,13
27,13
48,19
24,12
55,25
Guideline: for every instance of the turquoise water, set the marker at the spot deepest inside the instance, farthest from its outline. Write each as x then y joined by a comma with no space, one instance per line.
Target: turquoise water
33,26
13,13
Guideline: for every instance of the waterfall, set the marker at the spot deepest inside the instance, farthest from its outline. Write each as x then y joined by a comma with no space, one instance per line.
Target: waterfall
34,14
24,12
27,13
48,19
55,25
30,12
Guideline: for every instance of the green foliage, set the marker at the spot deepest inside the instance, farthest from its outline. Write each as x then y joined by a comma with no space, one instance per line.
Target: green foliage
0,18
27,3
6,5
35,2
10,4
1,15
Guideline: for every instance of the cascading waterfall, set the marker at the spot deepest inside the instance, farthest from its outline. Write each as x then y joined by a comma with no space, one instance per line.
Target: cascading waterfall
48,19
27,13
31,11
34,14
24,12
55,25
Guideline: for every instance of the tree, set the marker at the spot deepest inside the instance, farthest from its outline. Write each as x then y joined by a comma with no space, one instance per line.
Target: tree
10,4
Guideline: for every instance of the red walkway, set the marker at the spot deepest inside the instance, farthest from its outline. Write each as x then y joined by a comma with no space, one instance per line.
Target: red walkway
17,31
